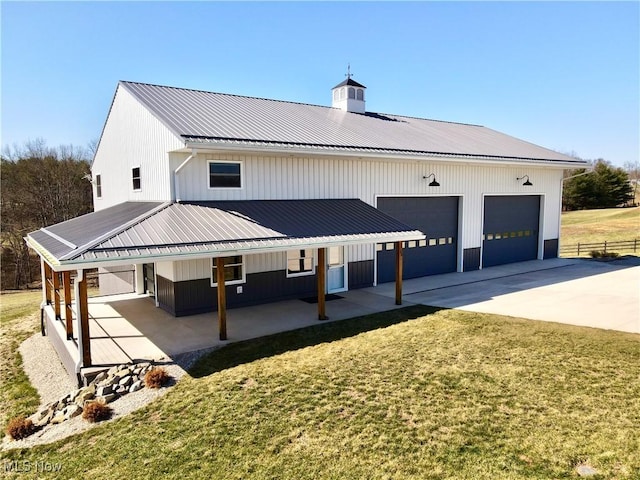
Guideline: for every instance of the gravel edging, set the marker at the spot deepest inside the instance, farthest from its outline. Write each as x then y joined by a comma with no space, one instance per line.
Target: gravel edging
46,373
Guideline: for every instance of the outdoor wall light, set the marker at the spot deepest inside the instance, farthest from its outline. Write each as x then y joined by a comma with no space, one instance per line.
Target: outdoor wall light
434,183
527,183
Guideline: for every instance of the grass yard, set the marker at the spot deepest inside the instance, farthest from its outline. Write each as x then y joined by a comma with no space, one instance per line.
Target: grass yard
18,320
610,224
411,394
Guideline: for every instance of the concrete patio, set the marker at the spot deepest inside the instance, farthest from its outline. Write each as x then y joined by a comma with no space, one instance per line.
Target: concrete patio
130,327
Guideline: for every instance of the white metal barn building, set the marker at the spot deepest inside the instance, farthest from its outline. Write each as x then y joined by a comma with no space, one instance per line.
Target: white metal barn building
274,197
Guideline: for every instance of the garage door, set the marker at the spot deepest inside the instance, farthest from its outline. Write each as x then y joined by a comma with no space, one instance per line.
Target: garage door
510,230
437,217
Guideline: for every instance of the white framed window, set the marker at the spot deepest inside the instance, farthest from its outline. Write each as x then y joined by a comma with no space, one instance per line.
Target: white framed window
98,186
234,271
136,179
360,94
225,174
352,92
300,263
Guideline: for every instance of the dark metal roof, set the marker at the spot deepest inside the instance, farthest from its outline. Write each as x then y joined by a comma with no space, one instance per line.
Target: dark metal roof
66,238
199,229
350,81
205,117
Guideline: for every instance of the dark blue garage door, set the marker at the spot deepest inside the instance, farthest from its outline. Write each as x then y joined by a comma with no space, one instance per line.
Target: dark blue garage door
437,217
510,232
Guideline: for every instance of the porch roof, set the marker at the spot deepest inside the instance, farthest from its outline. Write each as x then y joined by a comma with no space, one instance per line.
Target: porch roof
137,232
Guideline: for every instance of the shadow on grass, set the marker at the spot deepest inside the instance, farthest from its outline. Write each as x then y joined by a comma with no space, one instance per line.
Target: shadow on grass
249,350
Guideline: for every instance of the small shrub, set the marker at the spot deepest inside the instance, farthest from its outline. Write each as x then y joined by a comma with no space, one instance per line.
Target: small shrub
599,254
156,377
96,411
20,427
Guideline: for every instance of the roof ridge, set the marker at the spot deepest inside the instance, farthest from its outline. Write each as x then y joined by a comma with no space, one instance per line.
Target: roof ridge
253,97
224,94
113,232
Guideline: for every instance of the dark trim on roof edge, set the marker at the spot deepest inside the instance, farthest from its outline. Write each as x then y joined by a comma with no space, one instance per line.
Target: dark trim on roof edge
189,138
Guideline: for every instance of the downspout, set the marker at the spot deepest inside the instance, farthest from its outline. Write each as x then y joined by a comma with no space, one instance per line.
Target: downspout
76,290
43,303
176,186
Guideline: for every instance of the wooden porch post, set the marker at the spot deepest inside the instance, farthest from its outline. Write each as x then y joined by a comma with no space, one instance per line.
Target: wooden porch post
83,318
68,313
222,298
321,274
398,273
56,294
46,283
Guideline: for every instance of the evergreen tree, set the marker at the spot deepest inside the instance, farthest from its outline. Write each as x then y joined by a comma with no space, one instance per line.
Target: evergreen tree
605,187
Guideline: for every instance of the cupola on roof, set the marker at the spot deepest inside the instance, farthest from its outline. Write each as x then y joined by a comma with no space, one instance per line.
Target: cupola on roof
348,95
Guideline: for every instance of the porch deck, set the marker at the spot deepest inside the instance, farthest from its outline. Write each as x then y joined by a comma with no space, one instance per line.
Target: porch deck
129,327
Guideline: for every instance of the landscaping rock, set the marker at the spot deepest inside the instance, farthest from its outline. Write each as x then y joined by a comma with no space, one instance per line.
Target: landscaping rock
586,471
71,411
104,390
59,418
100,377
110,397
107,386
86,393
135,386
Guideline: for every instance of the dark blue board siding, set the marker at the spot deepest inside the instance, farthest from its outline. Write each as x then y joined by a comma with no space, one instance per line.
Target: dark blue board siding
471,258
360,274
198,296
437,217
551,248
510,229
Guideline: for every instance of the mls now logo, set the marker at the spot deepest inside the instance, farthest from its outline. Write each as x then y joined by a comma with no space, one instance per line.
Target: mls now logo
24,466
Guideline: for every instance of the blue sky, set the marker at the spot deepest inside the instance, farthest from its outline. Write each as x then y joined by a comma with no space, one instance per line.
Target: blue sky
564,75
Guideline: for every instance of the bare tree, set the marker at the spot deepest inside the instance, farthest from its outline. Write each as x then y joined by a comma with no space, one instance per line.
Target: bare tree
633,169
40,186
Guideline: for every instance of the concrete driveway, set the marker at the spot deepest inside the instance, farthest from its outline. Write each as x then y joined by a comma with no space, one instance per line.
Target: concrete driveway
576,292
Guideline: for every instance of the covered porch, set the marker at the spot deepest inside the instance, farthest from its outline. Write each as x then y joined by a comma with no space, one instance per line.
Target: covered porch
90,335
129,327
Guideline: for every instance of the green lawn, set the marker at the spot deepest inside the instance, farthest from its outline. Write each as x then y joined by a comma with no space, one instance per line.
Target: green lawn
610,224
19,319
412,394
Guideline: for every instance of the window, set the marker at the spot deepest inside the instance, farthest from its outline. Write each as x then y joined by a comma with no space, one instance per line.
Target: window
352,92
233,271
135,176
360,94
343,93
300,262
225,174
98,186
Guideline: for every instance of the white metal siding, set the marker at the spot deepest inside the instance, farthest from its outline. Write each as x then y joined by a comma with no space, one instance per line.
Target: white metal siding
166,270
303,178
133,137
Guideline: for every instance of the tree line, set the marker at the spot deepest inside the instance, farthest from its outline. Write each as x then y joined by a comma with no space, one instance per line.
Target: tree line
40,186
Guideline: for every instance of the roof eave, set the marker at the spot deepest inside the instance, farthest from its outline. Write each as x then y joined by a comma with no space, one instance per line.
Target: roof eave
79,263
319,150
